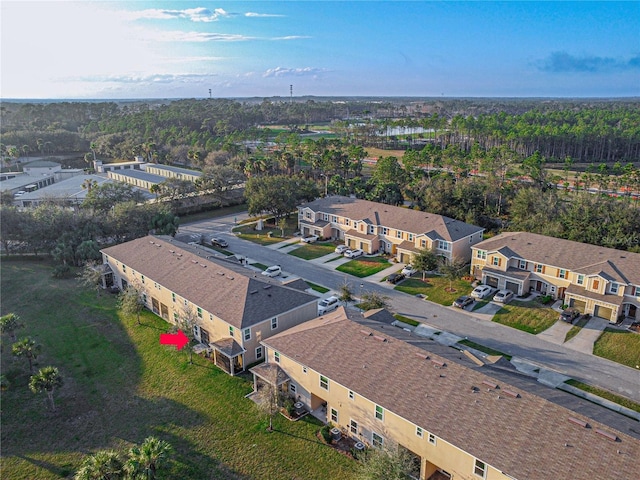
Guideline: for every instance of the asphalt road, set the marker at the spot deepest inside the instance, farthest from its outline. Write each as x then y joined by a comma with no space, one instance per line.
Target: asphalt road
584,367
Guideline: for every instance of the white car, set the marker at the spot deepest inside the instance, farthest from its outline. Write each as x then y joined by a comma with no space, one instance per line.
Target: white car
273,271
328,304
481,291
310,239
503,296
353,253
341,249
408,270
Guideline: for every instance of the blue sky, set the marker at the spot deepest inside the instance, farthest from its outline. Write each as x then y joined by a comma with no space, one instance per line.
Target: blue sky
181,49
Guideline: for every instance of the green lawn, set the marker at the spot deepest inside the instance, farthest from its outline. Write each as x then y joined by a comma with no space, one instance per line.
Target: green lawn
482,348
261,237
121,386
219,212
625,402
407,320
309,251
317,288
435,288
364,266
621,346
531,317
575,329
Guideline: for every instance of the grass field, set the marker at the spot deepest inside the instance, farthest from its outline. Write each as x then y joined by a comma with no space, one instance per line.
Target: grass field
620,346
435,288
309,251
122,386
625,402
364,266
482,348
261,237
531,317
575,328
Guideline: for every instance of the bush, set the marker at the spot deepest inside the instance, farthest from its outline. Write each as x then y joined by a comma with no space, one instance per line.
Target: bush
61,271
326,433
546,299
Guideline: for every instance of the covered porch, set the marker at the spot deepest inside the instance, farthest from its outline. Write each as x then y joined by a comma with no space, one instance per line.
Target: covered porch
228,355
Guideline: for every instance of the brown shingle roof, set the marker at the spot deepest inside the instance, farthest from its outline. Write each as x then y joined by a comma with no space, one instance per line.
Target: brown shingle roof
579,257
489,424
390,216
229,291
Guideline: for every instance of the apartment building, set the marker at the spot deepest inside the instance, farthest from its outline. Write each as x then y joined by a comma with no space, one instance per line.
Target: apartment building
233,307
376,227
384,387
603,282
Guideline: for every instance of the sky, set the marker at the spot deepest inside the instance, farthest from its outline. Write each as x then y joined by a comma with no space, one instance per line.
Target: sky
196,49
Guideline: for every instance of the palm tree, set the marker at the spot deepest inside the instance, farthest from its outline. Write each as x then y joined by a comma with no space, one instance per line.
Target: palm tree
102,465
88,184
144,460
9,323
26,347
46,380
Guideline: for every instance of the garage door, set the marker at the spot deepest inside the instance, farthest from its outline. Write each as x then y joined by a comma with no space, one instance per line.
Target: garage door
512,286
577,304
491,281
602,312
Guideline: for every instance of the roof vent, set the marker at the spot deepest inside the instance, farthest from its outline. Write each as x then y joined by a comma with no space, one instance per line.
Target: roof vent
422,356
220,273
194,261
267,287
608,435
203,265
490,384
368,334
253,291
578,422
438,363
172,251
379,338
511,393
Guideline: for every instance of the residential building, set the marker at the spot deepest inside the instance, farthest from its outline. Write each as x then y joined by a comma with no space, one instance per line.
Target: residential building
603,282
376,227
169,171
233,307
386,387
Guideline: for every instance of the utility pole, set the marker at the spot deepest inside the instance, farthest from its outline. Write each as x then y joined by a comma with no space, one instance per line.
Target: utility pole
291,93
209,93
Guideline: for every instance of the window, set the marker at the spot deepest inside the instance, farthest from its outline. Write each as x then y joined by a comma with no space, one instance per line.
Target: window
247,334
142,279
398,234
351,395
522,264
347,222
637,294
372,229
173,297
353,427
324,382
334,415
199,312
423,243
442,245
292,388
186,303
274,323
480,469
419,432
211,317
481,254
258,353
334,219
379,412
614,288
432,439
276,356
385,231
377,440
124,268
538,268
580,280
144,298
411,237
155,284
596,284
230,331
496,261
562,273
304,370
175,317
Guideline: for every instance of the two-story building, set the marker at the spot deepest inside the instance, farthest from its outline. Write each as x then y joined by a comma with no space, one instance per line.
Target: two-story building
384,387
233,307
376,227
604,282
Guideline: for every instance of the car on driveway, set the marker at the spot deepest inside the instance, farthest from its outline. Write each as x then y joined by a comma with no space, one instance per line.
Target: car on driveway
409,270
395,278
463,301
328,304
219,242
341,249
353,253
481,291
503,296
273,271
310,238
569,315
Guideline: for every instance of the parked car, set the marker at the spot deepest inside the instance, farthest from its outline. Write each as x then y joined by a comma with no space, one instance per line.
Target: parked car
481,291
328,304
462,302
569,315
310,238
353,253
395,278
219,242
503,296
273,271
341,249
408,270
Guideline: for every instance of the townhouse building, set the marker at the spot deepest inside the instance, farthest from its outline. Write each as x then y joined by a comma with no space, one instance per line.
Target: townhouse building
376,227
603,282
233,308
384,387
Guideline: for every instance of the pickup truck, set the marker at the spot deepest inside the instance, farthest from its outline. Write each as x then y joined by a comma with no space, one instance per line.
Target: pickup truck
310,239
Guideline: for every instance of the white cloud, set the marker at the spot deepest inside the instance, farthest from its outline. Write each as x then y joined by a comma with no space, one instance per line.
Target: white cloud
199,14
293,72
178,36
254,14
291,37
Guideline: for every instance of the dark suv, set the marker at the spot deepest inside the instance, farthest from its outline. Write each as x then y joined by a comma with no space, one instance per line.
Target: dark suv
219,242
395,278
569,315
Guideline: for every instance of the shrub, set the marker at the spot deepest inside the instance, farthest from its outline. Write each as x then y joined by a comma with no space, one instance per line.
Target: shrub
546,299
326,433
61,271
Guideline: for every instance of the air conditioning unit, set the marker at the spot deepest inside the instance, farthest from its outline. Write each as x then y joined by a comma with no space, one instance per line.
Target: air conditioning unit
336,434
299,408
359,446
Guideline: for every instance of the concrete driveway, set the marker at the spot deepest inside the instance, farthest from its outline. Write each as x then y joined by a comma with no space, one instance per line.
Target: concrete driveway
556,333
583,341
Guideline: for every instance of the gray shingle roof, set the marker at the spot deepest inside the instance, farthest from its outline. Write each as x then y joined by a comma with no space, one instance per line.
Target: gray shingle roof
390,216
489,424
579,257
234,293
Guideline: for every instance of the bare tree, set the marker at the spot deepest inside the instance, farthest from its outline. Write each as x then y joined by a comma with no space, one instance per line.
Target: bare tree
130,301
187,321
91,276
346,293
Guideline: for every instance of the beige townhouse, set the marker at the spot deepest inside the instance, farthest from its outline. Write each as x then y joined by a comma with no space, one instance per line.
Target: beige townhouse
376,227
233,307
603,282
385,387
